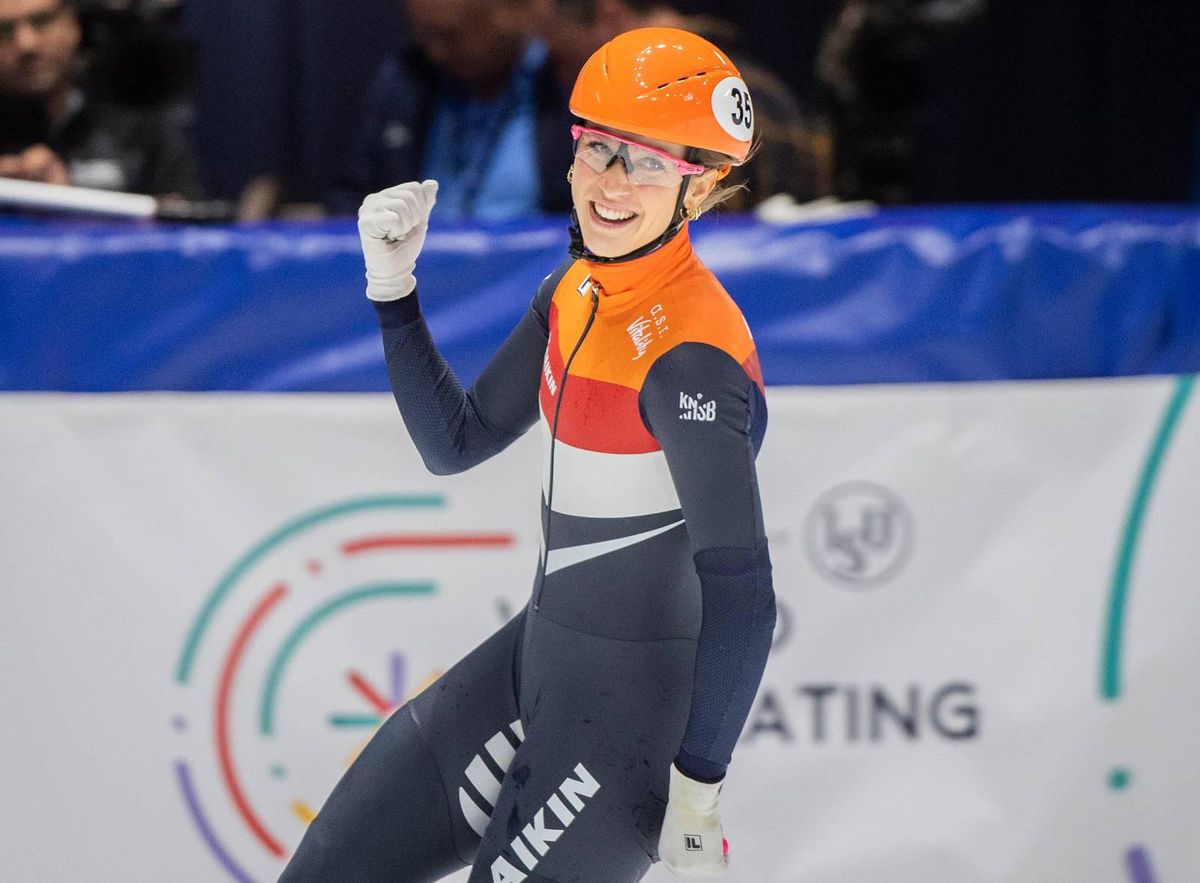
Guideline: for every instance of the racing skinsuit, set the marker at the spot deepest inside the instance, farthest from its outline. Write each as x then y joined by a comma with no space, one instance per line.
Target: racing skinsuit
544,754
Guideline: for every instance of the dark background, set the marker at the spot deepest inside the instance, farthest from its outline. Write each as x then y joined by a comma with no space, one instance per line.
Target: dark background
1041,100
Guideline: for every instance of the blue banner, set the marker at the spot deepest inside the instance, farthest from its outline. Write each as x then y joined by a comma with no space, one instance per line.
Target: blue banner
958,294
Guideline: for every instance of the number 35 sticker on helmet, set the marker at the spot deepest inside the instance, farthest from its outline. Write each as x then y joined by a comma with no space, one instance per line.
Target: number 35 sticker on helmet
732,108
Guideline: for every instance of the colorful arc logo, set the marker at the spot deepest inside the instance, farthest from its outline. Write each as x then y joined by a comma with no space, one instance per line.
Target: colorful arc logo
1137,856
288,653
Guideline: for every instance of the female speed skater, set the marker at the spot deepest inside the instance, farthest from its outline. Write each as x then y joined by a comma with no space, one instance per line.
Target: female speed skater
590,735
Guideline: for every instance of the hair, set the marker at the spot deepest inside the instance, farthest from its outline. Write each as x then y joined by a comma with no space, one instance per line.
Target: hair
714,159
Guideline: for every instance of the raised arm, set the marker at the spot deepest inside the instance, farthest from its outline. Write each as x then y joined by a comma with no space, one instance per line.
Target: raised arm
453,428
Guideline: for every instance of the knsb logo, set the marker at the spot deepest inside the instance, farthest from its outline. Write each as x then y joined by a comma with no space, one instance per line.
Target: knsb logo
292,663
695,408
859,534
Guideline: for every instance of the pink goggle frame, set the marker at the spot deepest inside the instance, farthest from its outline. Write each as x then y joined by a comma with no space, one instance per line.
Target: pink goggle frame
633,151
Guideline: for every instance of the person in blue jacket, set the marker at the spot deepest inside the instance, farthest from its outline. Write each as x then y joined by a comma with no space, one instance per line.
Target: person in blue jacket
471,102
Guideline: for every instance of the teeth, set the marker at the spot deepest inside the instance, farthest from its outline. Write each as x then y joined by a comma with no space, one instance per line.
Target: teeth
611,215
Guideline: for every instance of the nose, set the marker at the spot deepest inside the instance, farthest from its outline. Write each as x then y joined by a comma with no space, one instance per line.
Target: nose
614,176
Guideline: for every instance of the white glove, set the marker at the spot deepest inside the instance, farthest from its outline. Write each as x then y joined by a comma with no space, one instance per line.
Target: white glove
691,843
392,226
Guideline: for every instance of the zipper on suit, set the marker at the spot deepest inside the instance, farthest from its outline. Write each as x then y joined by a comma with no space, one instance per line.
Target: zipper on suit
562,391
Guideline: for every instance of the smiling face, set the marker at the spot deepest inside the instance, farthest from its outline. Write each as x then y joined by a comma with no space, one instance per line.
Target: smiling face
617,216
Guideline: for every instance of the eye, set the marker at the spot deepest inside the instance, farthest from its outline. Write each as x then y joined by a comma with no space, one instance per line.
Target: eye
652,164
601,148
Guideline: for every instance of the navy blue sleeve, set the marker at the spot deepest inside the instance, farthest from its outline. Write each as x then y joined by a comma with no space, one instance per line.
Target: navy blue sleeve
455,428
708,416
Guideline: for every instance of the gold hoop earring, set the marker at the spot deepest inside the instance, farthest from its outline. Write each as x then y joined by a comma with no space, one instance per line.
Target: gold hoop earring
693,214
571,175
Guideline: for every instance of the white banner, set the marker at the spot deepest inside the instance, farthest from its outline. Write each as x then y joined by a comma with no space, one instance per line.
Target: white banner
985,668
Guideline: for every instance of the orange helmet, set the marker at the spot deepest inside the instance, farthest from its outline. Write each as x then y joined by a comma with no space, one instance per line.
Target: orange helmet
670,85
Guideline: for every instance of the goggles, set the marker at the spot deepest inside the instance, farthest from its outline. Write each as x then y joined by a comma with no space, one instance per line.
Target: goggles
643,165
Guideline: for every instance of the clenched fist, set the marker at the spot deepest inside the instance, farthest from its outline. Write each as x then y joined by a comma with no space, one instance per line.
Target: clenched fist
392,226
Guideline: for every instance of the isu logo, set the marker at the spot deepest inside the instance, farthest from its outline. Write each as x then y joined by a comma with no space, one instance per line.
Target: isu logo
859,534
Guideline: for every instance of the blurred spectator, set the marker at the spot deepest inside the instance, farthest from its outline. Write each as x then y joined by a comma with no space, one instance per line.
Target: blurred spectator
57,129
792,152
871,66
471,103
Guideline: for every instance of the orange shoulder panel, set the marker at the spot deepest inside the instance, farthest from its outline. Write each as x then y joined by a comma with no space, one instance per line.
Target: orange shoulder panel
629,334
599,410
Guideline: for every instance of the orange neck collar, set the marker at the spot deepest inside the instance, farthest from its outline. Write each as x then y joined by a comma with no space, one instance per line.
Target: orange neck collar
629,281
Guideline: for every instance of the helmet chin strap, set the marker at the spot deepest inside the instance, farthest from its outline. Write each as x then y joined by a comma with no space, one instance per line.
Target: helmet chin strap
579,251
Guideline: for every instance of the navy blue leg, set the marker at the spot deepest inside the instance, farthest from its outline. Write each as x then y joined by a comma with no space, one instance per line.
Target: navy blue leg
585,795
413,805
